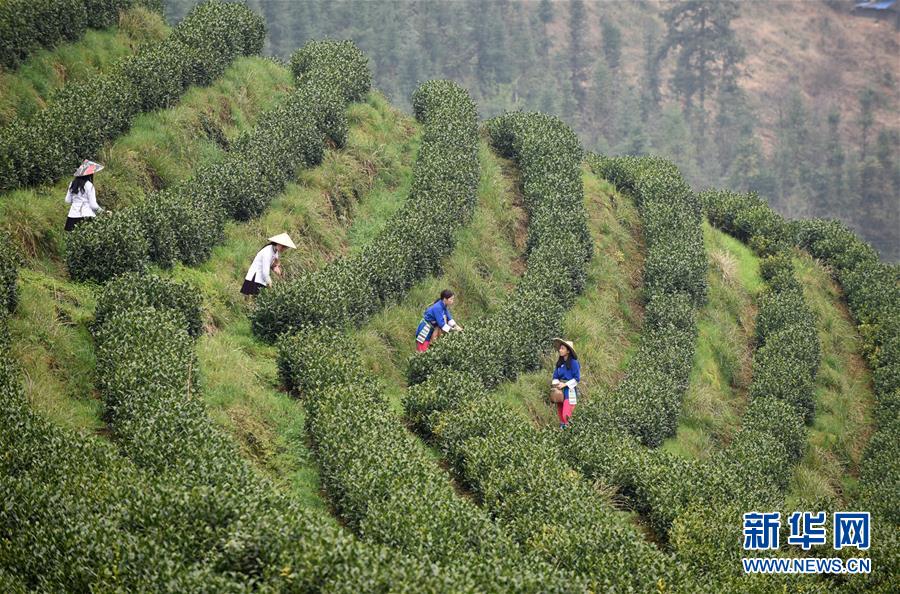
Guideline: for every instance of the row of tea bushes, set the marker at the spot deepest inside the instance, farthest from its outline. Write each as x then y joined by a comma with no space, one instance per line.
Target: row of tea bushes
77,517
517,472
9,273
648,401
220,520
694,503
416,239
753,472
88,113
383,482
872,291
185,222
500,347
519,475
26,25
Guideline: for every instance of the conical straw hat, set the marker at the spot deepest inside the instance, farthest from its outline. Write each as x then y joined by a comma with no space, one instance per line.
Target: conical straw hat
283,239
568,343
87,168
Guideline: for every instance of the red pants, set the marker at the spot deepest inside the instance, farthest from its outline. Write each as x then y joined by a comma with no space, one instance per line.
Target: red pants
564,410
422,346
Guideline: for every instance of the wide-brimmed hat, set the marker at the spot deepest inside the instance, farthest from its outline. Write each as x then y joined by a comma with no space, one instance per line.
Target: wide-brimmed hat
87,168
283,239
568,343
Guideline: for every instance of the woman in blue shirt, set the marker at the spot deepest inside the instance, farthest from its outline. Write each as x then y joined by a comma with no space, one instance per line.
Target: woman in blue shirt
436,320
566,376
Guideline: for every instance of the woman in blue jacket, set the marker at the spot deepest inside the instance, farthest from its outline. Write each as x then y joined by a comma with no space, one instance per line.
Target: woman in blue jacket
436,320
566,376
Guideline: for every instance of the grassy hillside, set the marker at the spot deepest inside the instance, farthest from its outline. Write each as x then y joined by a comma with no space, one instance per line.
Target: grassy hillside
27,88
336,209
50,333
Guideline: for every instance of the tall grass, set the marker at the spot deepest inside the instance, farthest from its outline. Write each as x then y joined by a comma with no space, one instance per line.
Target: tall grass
483,268
720,375
27,89
605,320
844,400
241,388
162,147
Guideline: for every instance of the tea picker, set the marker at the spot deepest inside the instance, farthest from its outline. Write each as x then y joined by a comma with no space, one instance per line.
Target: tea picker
81,195
266,262
436,320
566,376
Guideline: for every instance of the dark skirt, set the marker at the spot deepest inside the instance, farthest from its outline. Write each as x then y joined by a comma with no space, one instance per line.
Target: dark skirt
71,222
251,287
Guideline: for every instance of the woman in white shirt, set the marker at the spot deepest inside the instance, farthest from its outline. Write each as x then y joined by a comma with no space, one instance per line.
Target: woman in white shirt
267,260
82,196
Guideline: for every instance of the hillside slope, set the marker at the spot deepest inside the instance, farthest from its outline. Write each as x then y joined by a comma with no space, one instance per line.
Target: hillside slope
245,499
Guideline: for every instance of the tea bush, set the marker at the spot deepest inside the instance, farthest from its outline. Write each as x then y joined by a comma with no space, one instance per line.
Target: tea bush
559,245
208,515
441,202
383,482
687,501
80,517
112,244
648,401
88,113
131,290
183,223
9,273
337,61
872,291
26,25
518,475
755,468
517,472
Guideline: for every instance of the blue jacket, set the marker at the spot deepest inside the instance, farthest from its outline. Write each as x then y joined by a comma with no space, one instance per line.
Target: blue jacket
569,377
437,315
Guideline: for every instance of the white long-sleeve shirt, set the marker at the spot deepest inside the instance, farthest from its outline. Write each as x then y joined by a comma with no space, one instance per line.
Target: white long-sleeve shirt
84,204
261,268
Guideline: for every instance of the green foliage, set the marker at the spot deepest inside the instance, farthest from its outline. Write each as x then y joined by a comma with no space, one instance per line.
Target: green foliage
131,290
382,481
749,218
648,401
184,222
9,272
108,246
517,475
87,113
415,240
515,471
26,25
502,346
341,63
873,294
183,511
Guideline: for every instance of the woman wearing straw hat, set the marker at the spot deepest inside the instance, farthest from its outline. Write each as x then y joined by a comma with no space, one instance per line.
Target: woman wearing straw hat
266,262
81,195
565,377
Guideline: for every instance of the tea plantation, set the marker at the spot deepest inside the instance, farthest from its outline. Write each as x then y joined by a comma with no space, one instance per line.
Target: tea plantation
161,433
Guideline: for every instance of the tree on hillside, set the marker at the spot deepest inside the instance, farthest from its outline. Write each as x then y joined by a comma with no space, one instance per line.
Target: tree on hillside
612,44
708,54
578,55
867,104
792,159
650,94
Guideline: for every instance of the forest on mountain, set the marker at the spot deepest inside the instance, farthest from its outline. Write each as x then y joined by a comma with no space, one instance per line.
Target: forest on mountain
797,101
